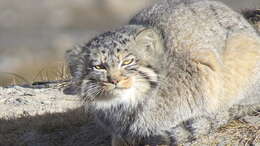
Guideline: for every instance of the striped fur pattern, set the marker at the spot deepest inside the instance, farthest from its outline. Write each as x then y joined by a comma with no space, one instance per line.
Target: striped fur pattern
253,16
171,74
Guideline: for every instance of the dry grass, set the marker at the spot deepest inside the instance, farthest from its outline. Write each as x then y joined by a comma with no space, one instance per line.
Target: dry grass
236,132
241,131
48,72
57,129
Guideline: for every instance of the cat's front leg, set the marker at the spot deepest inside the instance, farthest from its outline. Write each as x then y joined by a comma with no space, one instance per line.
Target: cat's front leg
183,133
126,141
118,141
192,129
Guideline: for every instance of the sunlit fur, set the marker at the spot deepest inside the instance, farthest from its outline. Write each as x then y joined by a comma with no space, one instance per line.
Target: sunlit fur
193,59
109,52
253,15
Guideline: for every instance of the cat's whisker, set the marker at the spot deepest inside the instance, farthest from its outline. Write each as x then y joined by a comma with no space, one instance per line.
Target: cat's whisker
98,92
93,91
91,88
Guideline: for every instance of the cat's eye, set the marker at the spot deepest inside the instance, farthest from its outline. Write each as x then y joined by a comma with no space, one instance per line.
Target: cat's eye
128,61
98,67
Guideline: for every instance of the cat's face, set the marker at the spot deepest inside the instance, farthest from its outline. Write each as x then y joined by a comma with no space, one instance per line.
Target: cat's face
116,67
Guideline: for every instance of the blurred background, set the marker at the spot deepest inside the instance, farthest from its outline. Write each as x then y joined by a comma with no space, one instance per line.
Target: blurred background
34,34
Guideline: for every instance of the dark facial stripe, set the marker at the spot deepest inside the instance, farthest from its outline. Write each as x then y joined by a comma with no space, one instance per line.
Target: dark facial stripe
153,84
130,54
149,66
131,67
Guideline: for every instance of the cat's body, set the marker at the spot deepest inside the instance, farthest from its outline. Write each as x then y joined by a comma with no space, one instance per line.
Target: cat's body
174,62
253,16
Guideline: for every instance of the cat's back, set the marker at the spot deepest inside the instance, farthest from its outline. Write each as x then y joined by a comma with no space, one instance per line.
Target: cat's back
193,24
217,40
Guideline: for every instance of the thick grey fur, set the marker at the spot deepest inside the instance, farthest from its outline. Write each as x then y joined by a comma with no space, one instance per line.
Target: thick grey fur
177,108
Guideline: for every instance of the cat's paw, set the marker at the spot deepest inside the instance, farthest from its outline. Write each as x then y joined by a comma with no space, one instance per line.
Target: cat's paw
183,133
238,111
190,130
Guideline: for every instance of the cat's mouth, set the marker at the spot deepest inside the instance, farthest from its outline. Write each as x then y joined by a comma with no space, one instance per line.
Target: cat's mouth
123,84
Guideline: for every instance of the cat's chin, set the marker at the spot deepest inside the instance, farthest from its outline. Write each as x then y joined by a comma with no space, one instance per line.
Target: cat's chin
115,97
114,93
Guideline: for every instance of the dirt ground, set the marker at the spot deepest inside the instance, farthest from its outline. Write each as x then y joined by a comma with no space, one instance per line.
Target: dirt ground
46,117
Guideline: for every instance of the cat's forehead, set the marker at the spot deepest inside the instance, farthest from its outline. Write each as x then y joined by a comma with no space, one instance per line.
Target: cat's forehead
112,41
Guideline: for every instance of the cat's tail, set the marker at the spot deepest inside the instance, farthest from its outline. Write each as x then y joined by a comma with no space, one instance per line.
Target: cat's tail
253,16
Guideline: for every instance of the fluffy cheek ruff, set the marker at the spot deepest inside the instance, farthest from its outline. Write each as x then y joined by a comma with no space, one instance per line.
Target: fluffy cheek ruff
143,81
126,84
90,90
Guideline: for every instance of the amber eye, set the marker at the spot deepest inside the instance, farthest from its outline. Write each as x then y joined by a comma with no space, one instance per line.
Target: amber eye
127,62
99,67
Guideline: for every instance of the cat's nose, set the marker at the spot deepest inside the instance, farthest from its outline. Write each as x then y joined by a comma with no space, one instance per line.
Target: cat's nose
113,80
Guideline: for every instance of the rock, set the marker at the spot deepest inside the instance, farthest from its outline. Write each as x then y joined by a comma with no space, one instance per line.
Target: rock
16,100
46,117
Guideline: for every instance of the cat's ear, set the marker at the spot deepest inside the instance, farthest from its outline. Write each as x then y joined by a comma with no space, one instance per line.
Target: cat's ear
73,59
149,38
72,89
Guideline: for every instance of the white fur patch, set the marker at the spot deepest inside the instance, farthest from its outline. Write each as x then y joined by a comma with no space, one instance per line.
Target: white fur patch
127,97
132,96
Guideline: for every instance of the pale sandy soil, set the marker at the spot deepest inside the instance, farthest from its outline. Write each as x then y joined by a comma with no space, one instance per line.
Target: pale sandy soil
18,101
47,117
